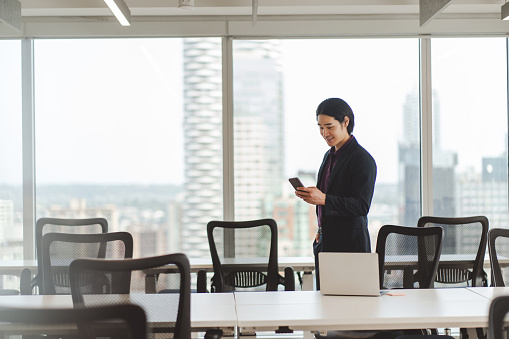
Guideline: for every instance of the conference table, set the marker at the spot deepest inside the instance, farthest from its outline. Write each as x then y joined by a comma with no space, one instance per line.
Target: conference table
306,265
399,309
490,292
208,310
245,313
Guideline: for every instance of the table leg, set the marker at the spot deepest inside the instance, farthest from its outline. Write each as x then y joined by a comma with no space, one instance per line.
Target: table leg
150,283
307,281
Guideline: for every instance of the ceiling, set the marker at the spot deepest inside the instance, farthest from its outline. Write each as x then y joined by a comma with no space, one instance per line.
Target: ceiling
471,8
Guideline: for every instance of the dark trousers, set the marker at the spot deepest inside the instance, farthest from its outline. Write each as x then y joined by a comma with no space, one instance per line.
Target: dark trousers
317,248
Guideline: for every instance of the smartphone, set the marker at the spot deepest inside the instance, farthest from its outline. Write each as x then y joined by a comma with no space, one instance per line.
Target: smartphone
296,182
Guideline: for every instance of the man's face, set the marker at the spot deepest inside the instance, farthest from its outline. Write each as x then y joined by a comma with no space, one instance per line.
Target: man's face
333,131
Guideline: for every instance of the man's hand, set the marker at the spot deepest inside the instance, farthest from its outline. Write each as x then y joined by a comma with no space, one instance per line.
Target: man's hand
311,195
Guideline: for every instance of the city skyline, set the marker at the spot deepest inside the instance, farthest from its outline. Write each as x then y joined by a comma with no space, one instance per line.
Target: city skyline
148,138
155,129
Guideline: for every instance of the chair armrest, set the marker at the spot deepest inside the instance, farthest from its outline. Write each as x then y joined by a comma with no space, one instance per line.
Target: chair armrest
483,281
201,281
213,334
25,282
36,282
289,279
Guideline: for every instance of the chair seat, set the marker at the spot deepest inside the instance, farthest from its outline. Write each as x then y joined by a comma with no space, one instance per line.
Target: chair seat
246,278
453,275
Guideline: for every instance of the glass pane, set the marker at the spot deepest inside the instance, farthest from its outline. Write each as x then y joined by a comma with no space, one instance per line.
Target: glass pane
470,128
278,85
11,174
130,130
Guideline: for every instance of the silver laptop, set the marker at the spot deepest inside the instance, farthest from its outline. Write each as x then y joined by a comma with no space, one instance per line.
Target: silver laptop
349,274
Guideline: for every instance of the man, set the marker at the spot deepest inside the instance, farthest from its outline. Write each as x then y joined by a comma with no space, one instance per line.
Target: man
346,181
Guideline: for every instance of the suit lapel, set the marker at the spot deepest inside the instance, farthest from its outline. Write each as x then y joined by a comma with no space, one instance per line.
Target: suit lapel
343,158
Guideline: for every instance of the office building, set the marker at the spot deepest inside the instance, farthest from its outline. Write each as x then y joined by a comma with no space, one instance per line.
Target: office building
202,201
258,135
485,193
78,209
6,219
259,121
444,163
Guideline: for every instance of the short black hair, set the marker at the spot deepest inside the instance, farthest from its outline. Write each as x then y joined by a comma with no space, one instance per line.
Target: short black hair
338,109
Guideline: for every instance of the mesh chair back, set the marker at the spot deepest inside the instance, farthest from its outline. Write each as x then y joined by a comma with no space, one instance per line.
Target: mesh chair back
408,256
60,249
498,247
234,245
60,225
123,282
463,250
499,308
126,321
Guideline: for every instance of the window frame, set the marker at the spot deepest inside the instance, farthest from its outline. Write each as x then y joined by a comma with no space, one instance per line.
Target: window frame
244,31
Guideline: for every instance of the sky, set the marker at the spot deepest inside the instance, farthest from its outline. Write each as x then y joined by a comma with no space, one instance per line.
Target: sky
111,110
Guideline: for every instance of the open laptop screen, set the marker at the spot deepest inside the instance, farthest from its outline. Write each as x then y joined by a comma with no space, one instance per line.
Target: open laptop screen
349,273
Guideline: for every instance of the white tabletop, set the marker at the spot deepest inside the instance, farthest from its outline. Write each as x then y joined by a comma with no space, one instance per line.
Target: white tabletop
310,311
490,292
208,310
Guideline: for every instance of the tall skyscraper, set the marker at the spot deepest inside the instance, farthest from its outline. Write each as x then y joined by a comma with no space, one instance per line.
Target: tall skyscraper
444,168
202,199
259,130
410,163
444,164
258,140
258,135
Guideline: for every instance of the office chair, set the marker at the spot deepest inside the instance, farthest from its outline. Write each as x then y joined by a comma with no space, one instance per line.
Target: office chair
464,247
122,280
60,225
244,257
407,258
126,321
498,249
25,288
499,308
462,259
60,249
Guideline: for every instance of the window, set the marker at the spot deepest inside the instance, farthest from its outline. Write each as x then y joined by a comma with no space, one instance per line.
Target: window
130,130
470,128
11,191
277,86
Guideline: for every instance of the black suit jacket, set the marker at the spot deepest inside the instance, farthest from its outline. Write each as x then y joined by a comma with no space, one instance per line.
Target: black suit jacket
349,194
